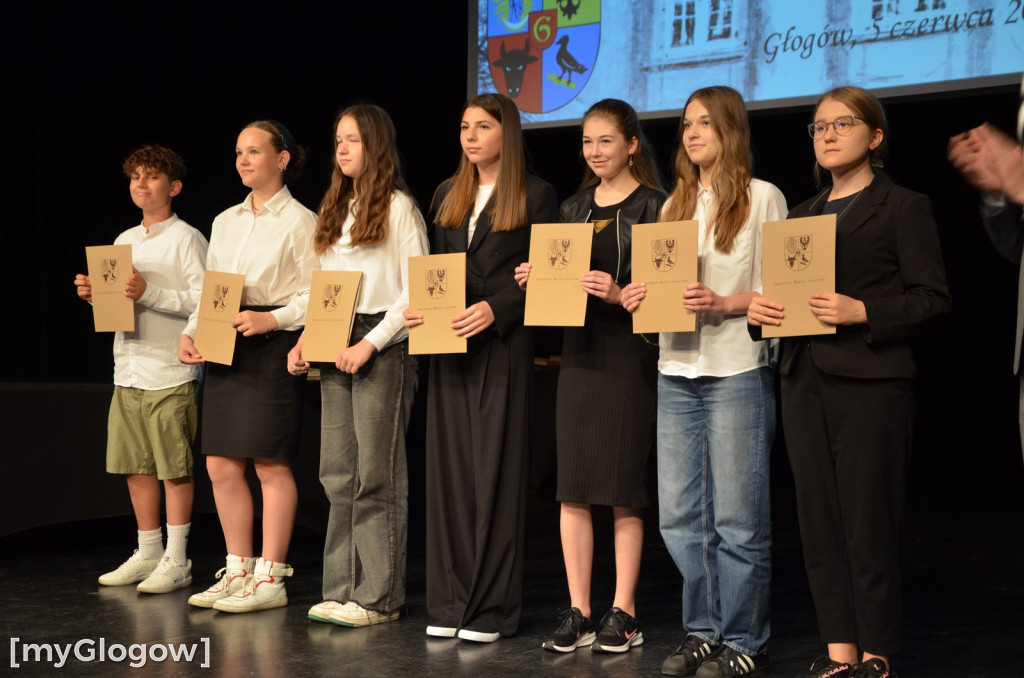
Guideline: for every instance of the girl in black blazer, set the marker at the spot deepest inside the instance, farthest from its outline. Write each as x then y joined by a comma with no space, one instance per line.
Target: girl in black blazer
848,398
478,402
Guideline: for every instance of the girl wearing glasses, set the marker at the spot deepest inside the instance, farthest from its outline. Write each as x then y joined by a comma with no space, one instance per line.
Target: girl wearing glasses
716,400
848,398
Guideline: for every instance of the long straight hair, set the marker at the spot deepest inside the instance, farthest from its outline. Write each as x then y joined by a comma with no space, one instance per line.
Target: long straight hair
731,171
507,210
642,165
381,176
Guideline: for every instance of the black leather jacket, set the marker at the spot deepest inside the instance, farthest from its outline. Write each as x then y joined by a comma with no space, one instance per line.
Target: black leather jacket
646,209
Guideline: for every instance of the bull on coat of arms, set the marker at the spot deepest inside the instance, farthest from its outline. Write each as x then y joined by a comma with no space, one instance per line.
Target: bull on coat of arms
220,297
663,254
798,252
109,271
437,284
559,253
330,300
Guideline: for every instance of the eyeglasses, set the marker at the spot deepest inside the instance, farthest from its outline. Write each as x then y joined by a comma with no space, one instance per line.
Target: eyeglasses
843,125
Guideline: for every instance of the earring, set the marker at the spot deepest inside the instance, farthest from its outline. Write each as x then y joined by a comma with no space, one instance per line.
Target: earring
631,160
282,169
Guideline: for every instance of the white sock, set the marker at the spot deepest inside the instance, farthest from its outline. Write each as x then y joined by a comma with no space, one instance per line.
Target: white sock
177,540
151,544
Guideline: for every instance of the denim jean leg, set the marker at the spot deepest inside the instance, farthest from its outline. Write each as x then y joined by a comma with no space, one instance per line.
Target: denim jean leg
685,514
381,405
364,474
741,429
338,455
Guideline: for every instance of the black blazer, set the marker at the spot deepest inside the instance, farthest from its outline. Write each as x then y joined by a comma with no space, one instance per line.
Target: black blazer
888,256
492,257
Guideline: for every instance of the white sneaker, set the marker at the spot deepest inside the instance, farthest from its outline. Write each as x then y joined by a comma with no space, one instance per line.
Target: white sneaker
168,576
229,580
321,612
442,631
479,636
354,614
131,571
262,590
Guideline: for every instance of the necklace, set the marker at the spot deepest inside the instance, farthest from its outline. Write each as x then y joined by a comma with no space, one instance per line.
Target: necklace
846,209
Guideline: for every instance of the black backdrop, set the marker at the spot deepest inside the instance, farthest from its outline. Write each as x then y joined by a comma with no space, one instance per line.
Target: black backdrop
87,82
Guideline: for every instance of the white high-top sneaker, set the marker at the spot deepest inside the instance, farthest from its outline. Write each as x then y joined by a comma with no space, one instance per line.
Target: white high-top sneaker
262,590
229,580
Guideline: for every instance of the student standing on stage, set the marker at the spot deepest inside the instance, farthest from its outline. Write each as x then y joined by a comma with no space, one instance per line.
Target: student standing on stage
716,401
153,419
478,405
369,223
252,409
604,443
848,398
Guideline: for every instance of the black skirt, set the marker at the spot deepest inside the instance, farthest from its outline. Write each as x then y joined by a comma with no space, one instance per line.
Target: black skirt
253,407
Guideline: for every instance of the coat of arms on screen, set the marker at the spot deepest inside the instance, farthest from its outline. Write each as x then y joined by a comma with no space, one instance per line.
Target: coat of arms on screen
798,252
437,283
559,253
663,254
108,269
331,293
542,52
220,297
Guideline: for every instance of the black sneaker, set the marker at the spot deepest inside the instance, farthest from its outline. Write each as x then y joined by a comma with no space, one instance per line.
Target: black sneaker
619,632
574,630
873,668
688,657
728,662
823,667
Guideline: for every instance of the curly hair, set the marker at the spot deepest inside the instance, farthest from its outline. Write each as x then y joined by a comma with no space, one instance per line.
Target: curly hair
155,157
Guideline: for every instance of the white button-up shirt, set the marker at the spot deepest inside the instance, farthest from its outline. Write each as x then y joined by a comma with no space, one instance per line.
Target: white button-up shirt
273,249
170,257
385,266
721,346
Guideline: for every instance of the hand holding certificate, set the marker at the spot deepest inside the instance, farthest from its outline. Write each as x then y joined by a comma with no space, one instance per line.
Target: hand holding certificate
665,261
437,292
109,268
332,308
799,260
218,306
559,255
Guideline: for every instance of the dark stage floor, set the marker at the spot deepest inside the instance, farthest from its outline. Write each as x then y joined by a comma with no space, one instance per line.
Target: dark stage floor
963,611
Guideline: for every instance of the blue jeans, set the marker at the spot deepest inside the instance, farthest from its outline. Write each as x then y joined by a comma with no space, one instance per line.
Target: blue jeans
714,442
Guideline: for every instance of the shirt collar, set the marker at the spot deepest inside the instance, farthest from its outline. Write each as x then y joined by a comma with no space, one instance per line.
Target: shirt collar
274,205
160,225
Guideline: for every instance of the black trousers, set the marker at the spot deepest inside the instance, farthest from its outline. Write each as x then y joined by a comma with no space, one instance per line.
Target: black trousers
849,441
477,439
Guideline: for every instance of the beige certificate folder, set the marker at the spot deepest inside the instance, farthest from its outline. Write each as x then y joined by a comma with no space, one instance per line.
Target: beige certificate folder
799,258
560,255
109,268
218,306
664,259
332,308
437,291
